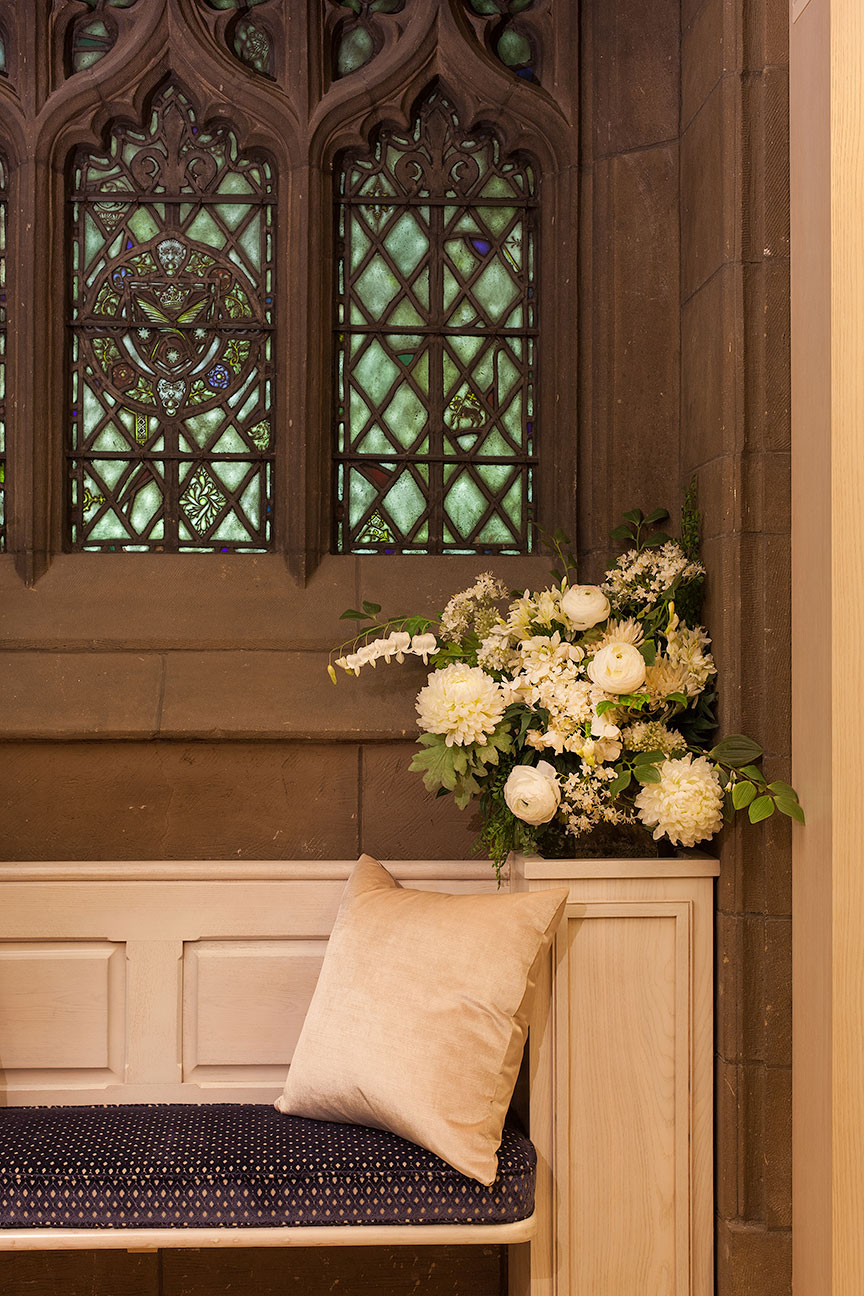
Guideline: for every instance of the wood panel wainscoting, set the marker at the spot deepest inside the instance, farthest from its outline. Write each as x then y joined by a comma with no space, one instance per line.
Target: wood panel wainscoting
189,981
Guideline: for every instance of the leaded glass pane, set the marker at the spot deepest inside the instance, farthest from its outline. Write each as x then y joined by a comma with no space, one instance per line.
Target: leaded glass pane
435,328
170,443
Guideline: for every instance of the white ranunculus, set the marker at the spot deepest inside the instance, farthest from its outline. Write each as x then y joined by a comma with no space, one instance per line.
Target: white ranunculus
618,668
686,805
532,792
585,606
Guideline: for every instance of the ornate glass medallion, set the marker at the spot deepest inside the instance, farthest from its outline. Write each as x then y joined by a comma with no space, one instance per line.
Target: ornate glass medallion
172,291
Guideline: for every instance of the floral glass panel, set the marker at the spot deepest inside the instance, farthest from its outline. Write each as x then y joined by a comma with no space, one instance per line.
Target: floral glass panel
2,356
436,329
171,401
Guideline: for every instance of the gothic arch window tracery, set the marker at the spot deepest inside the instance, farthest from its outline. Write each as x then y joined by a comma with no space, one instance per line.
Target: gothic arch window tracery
281,86
436,319
172,312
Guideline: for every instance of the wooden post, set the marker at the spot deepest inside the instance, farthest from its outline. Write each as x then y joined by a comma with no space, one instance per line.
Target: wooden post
827,130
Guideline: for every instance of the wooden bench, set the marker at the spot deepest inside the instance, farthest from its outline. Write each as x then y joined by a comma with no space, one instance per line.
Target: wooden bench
188,982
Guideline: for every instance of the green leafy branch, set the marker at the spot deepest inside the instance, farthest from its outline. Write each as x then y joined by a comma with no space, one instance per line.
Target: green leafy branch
458,769
746,785
559,544
638,529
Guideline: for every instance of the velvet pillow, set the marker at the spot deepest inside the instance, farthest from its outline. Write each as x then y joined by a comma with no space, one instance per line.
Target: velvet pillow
420,1014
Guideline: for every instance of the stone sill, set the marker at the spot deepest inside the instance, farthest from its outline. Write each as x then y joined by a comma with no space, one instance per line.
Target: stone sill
169,602
232,696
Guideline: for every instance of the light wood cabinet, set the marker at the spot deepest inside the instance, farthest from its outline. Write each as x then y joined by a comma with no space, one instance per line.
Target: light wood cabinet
621,1082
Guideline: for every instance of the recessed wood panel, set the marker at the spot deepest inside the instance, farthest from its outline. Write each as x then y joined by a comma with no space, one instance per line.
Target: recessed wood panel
625,1111
61,1005
244,1005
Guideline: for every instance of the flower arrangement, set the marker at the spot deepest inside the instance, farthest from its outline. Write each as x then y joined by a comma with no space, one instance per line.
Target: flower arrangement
580,710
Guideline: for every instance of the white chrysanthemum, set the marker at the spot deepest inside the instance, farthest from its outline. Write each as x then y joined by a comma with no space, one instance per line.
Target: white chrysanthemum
652,735
627,631
665,677
462,702
686,805
686,647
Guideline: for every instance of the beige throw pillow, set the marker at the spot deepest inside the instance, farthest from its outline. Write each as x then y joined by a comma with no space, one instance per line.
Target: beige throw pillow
420,1014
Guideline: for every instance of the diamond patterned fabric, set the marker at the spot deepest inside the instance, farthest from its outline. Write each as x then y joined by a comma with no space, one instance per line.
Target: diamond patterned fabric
244,1166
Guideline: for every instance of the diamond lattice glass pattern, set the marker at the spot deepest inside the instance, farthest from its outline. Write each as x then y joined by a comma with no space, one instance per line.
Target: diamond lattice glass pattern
436,328
170,444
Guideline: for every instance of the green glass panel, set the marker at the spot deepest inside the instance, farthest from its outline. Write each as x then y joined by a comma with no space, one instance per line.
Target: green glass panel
375,372
485,6
376,287
405,502
142,225
405,416
514,49
406,244
464,503
498,187
359,412
375,443
3,67
233,182
497,218
361,495
252,45
205,230
513,505
250,242
405,316
512,417
495,291
355,50
359,245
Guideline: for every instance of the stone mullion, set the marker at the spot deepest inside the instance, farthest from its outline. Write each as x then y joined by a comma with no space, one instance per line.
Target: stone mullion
436,378
36,374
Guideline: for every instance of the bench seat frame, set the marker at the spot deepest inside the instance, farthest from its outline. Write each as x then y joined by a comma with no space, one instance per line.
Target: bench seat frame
164,981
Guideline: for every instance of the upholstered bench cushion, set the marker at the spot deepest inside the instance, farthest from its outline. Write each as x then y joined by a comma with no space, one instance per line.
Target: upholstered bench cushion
174,1166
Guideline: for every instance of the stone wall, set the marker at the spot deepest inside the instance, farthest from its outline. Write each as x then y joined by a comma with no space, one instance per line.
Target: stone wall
735,436
137,724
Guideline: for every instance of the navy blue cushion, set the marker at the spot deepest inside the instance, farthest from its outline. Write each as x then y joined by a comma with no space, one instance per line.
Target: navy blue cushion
175,1166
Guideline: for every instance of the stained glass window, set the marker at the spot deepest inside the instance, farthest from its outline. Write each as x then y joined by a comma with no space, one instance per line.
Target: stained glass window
93,37
359,36
2,355
172,281
436,333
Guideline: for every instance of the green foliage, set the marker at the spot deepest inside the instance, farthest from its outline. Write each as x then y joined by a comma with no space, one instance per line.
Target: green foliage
640,530
735,750
559,544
